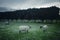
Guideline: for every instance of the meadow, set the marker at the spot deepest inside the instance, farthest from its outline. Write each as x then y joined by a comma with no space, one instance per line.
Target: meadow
10,31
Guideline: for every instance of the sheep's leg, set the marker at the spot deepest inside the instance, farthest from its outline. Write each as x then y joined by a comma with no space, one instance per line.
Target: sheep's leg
27,31
19,31
44,30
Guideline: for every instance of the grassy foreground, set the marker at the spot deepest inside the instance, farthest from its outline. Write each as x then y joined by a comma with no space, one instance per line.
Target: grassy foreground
11,31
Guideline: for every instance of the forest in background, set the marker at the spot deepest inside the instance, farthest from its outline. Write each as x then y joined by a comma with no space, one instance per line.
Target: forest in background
50,13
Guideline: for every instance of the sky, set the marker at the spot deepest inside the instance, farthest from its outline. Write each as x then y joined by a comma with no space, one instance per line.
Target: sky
25,4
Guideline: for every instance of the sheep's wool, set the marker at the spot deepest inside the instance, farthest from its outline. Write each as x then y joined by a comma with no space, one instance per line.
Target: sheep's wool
45,27
24,27
6,22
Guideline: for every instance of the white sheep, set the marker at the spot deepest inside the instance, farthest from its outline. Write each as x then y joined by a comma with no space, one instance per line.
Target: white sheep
6,22
24,28
44,27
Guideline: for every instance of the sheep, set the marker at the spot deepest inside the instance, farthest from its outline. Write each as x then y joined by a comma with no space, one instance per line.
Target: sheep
6,22
44,28
24,28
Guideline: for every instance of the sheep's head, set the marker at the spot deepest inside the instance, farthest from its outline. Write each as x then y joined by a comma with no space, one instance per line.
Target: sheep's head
41,26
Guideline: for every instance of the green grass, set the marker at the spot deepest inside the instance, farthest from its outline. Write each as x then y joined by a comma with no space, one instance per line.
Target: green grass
11,31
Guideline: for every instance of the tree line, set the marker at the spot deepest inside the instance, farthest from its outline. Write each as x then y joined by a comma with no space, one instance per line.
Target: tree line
50,13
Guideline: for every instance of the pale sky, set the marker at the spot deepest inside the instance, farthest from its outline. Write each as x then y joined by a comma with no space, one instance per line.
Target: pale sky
25,4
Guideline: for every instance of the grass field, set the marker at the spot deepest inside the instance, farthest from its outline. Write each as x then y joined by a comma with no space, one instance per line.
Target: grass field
11,31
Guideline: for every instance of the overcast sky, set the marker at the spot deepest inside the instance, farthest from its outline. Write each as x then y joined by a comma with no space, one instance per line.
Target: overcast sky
24,4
